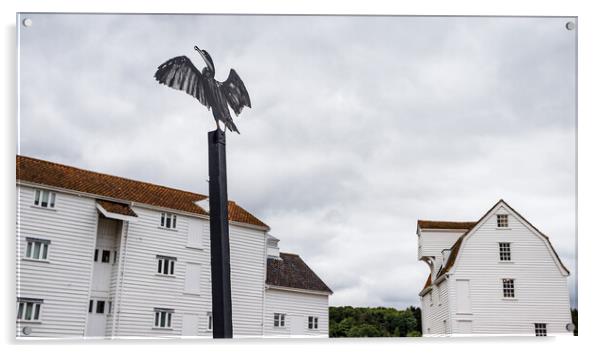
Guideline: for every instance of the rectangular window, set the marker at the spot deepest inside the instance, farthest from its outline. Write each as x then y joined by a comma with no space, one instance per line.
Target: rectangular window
163,318
312,322
502,221
37,249
210,321
279,320
90,306
44,198
106,256
115,256
166,265
508,287
505,252
95,255
100,306
110,307
168,220
29,309
541,330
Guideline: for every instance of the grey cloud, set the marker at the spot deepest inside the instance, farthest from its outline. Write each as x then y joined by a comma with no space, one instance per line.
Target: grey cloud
359,126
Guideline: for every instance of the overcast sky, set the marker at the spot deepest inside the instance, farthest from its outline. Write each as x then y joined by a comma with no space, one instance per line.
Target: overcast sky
359,126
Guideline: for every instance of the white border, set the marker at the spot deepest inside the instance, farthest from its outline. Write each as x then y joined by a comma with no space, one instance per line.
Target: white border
589,146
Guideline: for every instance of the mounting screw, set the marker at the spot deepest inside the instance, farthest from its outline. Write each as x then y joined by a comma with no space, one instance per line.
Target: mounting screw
570,25
27,22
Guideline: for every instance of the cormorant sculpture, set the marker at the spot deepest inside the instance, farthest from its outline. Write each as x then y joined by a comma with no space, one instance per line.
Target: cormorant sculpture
180,73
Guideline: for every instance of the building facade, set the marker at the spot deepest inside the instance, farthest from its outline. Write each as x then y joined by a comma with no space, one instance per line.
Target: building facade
497,276
104,256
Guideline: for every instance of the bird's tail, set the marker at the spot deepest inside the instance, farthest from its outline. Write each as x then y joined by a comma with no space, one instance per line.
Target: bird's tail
230,125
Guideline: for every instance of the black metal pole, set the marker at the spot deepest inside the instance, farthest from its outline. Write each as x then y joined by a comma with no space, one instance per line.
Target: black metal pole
220,236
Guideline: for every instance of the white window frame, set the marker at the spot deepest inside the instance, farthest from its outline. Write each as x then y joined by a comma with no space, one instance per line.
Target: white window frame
209,321
35,313
505,251
168,220
508,288
166,265
312,322
541,329
42,246
40,194
163,318
279,320
502,221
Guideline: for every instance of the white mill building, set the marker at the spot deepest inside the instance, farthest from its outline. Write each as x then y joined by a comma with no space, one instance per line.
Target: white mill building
99,255
497,276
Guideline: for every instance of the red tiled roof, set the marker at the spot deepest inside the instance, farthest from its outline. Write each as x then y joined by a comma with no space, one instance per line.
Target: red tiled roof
62,176
118,208
423,224
293,272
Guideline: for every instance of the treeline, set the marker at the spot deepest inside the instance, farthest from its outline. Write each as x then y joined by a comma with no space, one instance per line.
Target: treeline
347,321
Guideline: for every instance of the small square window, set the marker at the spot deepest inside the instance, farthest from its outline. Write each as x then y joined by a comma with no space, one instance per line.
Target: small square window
163,318
502,221
29,309
36,249
508,287
106,256
505,252
44,198
168,220
541,329
166,265
100,306
312,322
279,320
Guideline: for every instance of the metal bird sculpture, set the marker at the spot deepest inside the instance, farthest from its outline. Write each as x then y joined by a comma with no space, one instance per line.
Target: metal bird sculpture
180,73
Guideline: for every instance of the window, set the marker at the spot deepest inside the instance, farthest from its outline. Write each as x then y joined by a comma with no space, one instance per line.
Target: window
279,320
95,255
37,249
165,265
115,256
163,318
312,322
168,220
110,308
90,306
100,306
508,287
505,252
209,321
106,255
502,221
541,330
44,198
29,309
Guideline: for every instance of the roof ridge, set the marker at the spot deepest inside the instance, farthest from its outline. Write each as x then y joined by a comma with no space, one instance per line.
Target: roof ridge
113,176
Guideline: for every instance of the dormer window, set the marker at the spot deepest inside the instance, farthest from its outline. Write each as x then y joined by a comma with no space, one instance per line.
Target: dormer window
168,220
502,221
44,198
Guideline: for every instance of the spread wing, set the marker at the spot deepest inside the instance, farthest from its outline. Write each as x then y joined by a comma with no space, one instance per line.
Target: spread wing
180,73
236,92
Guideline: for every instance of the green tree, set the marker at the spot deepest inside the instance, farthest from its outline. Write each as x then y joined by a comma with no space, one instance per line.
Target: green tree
364,330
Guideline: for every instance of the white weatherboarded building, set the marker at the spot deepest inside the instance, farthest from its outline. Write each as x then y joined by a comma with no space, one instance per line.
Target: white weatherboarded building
497,276
99,255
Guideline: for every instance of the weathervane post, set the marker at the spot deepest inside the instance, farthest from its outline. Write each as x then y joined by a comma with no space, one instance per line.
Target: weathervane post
181,74
220,236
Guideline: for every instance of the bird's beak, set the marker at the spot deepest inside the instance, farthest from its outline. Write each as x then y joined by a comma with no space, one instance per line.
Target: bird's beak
206,57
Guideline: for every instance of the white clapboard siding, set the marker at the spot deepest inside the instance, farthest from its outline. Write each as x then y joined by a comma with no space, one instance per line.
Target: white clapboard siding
63,282
248,266
297,304
142,289
541,290
432,242
434,313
